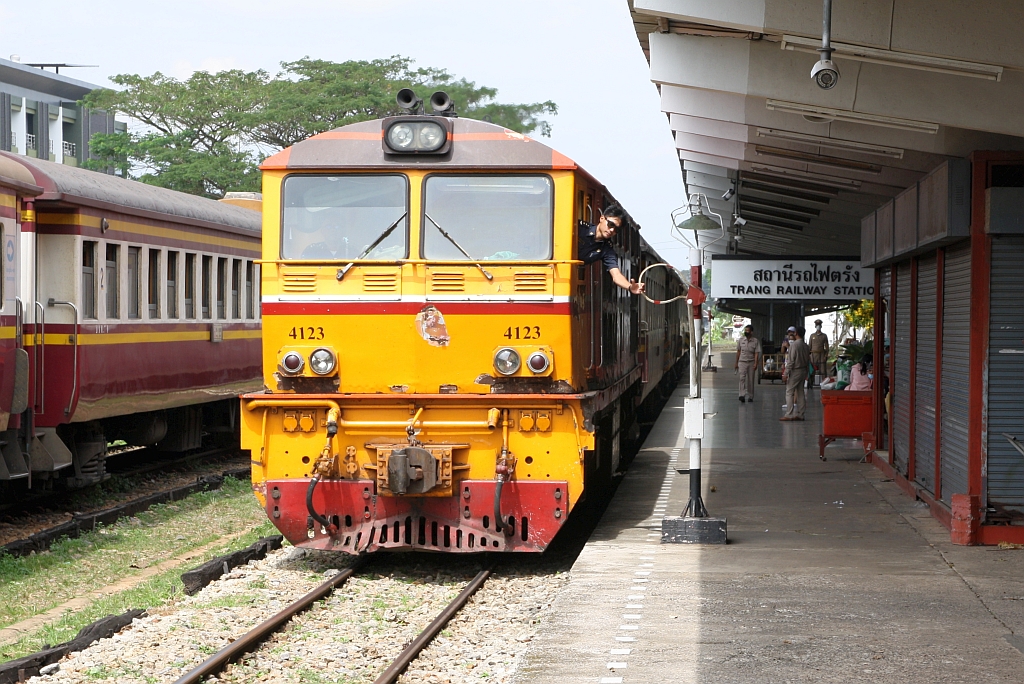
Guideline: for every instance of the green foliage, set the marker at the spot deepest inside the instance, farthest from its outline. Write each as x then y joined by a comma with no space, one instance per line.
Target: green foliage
861,315
207,134
856,352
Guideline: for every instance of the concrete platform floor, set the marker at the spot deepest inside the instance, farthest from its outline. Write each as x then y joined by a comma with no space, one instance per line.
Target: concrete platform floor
831,573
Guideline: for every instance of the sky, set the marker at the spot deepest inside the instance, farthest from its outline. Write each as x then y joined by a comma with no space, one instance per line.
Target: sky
583,54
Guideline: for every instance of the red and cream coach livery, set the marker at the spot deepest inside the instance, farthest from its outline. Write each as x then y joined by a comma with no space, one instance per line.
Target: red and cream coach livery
130,312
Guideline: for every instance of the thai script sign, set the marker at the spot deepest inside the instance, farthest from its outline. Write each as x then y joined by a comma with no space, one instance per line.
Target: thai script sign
741,277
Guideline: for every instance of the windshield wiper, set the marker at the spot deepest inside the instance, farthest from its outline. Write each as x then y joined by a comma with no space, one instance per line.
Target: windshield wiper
459,247
381,238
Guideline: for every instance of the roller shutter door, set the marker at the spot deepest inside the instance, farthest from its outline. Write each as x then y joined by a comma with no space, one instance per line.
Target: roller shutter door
924,393
1006,375
956,349
900,341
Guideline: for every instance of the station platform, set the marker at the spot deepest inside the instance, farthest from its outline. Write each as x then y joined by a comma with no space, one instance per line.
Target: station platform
831,573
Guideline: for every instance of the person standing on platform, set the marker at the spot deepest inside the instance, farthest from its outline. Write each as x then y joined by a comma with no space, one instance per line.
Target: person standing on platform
748,355
798,357
818,343
784,348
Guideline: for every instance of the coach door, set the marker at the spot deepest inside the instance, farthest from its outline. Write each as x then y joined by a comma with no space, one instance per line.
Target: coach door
14,364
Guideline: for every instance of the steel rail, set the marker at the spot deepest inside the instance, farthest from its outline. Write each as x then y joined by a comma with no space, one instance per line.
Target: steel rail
395,670
251,639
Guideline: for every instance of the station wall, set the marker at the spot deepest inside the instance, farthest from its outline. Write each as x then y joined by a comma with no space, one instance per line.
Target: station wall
948,304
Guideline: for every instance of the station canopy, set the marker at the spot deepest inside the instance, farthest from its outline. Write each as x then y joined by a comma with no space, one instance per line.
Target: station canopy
921,82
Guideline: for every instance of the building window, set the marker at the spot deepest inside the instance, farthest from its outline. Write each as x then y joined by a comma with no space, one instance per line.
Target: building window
133,282
88,279
222,287
113,282
207,284
154,283
172,284
236,284
190,286
250,295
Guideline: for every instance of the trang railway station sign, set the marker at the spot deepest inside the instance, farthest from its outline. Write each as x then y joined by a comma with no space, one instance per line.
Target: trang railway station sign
741,277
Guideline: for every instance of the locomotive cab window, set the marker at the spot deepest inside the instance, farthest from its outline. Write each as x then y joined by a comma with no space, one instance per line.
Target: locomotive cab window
343,217
505,218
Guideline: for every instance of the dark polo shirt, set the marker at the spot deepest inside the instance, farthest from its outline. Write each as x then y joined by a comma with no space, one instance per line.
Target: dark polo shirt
592,249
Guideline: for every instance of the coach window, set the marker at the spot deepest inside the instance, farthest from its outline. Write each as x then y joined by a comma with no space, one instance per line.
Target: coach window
342,217
207,284
133,282
113,284
249,294
153,281
236,288
88,279
222,287
190,286
501,218
172,284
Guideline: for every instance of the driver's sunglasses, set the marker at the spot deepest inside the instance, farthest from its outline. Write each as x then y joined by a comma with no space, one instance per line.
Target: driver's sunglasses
608,222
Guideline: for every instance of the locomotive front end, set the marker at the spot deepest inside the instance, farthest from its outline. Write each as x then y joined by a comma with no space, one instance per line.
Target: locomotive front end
418,342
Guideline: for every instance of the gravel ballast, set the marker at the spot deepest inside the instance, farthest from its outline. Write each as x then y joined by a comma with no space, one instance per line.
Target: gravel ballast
350,637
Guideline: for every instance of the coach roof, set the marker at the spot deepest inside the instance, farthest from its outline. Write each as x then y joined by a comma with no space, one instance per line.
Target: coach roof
75,186
475,145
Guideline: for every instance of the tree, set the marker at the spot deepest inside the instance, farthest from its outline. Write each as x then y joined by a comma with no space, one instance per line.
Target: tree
207,134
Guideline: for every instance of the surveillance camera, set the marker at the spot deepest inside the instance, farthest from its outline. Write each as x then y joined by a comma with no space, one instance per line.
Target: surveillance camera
728,194
739,221
826,74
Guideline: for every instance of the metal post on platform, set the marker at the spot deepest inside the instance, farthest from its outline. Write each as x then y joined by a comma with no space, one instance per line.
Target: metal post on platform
694,526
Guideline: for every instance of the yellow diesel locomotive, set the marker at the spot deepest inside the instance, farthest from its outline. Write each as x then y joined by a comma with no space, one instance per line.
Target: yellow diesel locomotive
442,373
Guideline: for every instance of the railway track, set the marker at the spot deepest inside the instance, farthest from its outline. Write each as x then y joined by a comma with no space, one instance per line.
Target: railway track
75,517
252,639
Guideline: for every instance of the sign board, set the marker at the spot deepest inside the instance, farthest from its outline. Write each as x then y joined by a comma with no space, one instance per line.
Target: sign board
828,278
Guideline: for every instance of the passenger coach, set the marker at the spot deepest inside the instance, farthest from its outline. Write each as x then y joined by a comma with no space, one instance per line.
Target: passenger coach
442,372
129,312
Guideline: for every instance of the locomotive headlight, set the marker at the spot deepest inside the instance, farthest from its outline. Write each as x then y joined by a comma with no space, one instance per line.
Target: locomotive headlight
507,361
416,136
538,362
401,136
292,363
431,136
321,361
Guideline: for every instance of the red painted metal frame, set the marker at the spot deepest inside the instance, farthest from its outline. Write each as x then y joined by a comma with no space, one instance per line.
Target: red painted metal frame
912,387
940,277
418,522
891,312
981,267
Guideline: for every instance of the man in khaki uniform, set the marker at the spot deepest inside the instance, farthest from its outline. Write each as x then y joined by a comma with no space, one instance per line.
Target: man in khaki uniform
818,343
748,355
798,356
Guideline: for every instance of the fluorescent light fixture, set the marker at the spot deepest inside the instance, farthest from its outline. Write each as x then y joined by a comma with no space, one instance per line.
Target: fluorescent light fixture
818,159
906,60
831,143
765,237
817,179
820,114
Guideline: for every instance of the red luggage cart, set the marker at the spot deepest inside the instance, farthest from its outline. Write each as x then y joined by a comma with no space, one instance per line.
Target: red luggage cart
846,415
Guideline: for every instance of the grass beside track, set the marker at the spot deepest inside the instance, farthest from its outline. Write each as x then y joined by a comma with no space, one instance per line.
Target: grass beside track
73,567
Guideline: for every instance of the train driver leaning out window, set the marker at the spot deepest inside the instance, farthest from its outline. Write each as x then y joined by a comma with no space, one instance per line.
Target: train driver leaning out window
595,245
